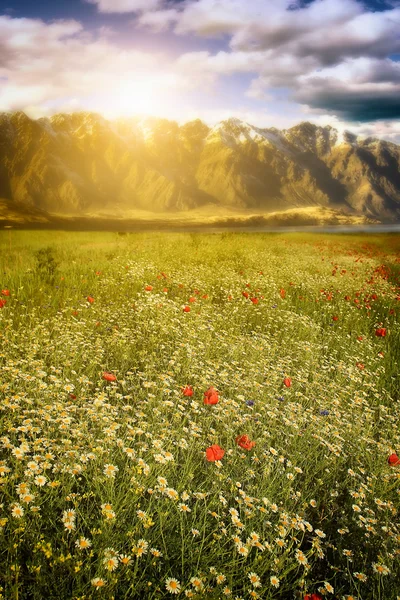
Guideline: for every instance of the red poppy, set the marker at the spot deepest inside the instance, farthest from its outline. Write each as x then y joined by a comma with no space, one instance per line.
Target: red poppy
165,290
214,453
347,297
3,303
75,313
5,292
205,296
148,288
187,390
360,365
360,338
186,309
282,293
393,460
255,300
211,396
287,382
245,294
315,596
380,332
335,318
192,299
245,442
98,272
109,376
72,396
90,299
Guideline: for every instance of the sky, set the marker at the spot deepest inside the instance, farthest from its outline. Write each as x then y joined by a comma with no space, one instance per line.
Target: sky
272,63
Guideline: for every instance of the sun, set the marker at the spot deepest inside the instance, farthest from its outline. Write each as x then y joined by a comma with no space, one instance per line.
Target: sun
146,95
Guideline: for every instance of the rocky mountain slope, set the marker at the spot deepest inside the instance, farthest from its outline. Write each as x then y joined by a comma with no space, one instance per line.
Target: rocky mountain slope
83,165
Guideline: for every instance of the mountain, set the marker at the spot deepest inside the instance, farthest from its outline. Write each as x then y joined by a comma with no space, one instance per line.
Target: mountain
81,165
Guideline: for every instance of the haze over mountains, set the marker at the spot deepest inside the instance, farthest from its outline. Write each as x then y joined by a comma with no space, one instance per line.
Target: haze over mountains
81,165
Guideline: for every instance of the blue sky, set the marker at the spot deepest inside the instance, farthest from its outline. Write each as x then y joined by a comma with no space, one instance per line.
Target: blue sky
270,62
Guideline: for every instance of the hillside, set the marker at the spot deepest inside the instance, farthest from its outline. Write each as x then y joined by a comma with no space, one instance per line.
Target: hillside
81,165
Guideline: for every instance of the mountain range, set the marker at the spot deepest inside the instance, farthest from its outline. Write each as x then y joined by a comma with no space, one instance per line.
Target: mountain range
82,165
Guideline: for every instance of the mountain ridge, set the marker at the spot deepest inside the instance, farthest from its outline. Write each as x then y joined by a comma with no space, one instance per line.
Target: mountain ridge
79,164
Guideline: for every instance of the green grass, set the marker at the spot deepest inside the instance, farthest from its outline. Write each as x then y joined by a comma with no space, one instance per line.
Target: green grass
316,488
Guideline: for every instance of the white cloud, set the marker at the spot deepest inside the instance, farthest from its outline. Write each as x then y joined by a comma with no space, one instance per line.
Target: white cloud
126,6
45,65
332,54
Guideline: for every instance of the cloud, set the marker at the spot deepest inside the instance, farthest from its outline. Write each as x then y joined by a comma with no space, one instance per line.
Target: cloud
126,6
332,55
46,64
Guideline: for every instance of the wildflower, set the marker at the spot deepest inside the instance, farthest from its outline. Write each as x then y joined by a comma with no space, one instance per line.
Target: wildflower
98,582
17,511
187,390
173,586
360,577
393,460
5,292
380,332
329,588
254,579
275,581
83,543
110,471
282,293
148,288
287,382
184,507
90,299
301,558
2,303
109,376
214,453
110,563
40,480
186,309
244,442
314,596
211,396
380,569
197,583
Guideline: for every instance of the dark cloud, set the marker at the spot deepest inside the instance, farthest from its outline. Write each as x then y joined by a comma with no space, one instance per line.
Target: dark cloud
352,104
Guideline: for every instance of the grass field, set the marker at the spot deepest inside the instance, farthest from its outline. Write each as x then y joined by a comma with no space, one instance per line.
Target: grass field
107,489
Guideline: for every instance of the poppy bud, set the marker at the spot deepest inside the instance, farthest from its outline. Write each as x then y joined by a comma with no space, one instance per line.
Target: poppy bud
244,442
393,460
109,376
187,390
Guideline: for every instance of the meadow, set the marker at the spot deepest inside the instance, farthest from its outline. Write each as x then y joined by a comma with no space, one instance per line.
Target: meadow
199,416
